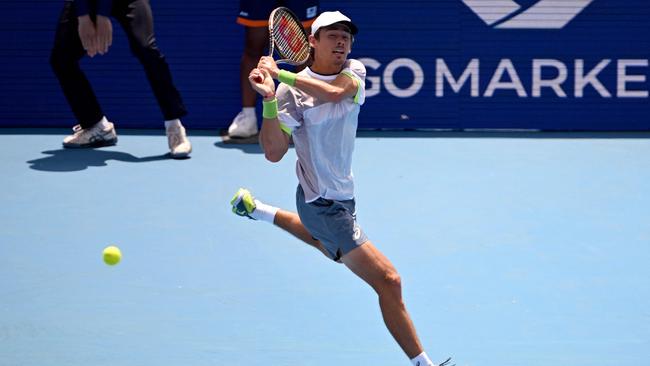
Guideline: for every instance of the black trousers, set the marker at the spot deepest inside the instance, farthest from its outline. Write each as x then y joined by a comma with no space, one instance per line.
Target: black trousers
136,19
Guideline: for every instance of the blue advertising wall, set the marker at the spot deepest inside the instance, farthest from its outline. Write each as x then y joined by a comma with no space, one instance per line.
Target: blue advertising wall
450,64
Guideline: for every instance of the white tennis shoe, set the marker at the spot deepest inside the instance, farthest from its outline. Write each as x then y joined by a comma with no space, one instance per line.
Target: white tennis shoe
95,136
179,146
244,125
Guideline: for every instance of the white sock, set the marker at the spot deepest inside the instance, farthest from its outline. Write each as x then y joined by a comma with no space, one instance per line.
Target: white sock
103,123
422,360
264,212
176,123
249,111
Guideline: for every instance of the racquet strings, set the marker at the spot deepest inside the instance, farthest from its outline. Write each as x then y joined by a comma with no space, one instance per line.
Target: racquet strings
289,37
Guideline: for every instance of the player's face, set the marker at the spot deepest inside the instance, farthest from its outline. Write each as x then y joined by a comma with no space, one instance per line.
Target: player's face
333,46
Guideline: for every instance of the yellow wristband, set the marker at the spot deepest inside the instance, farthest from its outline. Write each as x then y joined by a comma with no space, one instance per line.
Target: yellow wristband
270,109
287,77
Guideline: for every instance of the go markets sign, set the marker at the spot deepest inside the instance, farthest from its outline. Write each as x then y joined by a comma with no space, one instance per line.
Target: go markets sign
567,80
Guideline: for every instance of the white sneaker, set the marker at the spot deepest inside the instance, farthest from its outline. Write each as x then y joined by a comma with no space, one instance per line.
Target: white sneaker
179,145
95,136
243,126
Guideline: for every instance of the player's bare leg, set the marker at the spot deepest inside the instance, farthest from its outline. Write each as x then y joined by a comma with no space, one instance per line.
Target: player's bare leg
290,222
365,261
373,267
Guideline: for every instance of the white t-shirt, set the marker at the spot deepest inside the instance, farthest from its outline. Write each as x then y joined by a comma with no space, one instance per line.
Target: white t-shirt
323,134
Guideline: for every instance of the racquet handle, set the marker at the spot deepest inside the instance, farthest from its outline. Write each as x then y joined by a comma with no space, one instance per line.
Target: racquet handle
259,79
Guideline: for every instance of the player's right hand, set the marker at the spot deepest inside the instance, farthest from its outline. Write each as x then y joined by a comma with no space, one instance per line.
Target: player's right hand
266,86
268,64
88,35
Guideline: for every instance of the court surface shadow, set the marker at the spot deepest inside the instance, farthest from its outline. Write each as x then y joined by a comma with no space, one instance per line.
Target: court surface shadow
247,145
70,160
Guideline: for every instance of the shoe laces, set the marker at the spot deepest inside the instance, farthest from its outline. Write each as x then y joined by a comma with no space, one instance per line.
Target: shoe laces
80,131
447,363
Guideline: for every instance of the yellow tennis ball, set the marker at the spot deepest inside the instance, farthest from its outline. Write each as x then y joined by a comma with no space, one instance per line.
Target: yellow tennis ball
112,255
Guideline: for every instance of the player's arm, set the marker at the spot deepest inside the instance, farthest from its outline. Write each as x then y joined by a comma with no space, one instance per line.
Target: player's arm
340,88
344,86
273,140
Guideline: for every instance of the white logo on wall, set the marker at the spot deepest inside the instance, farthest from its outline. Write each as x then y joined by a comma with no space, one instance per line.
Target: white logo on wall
544,14
570,78
537,77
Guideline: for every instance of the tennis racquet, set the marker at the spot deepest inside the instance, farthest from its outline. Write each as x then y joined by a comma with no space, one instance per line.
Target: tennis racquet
288,38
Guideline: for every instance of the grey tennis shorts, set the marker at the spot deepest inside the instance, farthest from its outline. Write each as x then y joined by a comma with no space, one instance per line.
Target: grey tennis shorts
333,223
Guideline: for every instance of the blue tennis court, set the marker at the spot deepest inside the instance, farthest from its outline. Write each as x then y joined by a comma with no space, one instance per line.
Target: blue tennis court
515,249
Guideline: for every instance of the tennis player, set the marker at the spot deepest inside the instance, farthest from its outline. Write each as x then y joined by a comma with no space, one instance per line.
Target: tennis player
318,108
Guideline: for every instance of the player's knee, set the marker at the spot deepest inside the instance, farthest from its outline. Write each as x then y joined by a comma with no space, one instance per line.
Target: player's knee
392,282
146,50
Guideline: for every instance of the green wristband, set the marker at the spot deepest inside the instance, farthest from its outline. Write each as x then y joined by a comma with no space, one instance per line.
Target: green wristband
287,77
270,109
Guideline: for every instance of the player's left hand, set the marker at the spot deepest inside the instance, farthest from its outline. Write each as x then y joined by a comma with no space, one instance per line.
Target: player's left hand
104,35
268,64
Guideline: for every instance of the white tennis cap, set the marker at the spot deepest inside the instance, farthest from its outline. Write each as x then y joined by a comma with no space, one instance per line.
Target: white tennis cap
330,17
